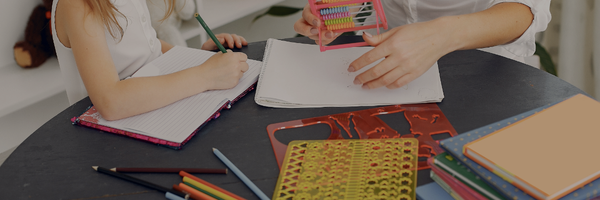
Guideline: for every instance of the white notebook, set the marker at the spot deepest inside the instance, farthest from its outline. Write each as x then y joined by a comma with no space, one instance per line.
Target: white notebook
176,123
298,75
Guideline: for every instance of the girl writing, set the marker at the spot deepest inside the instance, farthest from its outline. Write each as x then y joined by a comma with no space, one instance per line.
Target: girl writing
101,42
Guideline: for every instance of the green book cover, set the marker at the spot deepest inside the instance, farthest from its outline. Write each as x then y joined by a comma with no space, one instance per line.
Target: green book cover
444,186
462,173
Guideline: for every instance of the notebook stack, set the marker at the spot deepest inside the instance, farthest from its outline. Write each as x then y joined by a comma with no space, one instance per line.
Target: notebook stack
546,153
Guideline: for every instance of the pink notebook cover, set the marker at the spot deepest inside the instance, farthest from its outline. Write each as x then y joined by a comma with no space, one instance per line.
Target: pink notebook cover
89,119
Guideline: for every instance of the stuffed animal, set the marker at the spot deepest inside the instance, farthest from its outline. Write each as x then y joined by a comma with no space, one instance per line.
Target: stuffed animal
168,30
37,46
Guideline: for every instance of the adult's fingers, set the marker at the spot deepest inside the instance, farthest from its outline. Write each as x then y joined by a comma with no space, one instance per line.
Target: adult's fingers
389,79
380,51
381,74
307,25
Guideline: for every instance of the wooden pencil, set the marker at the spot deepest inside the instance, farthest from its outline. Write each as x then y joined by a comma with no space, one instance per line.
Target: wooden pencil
208,190
240,175
170,170
185,174
201,190
138,181
194,194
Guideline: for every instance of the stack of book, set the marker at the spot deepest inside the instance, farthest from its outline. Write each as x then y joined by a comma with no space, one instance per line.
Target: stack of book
546,153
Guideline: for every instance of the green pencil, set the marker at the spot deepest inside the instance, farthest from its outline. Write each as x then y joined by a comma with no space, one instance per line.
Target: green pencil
210,33
203,191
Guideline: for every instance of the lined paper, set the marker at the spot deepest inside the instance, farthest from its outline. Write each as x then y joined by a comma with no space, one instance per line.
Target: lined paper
175,122
300,75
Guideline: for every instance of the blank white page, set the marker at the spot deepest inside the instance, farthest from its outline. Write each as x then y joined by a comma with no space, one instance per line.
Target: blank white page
175,122
299,75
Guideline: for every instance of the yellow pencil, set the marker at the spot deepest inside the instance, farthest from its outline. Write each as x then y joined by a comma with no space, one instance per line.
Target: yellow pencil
207,188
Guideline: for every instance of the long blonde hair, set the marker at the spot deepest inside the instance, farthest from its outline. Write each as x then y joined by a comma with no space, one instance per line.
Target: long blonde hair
108,13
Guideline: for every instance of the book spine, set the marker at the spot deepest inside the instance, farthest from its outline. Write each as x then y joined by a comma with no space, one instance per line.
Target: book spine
465,175
457,186
154,140
444,186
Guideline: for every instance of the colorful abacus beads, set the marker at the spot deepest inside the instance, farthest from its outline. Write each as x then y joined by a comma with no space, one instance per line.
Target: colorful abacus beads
337,18
332,1
340,23
333,10
336,15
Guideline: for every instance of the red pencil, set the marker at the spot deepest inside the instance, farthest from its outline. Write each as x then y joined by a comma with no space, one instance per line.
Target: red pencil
170,170
183,173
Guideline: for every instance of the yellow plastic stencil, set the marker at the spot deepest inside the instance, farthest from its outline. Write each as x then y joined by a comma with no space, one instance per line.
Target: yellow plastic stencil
349,169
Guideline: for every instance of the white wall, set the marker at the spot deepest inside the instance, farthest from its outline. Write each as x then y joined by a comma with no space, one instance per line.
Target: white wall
13,18
267,26
569,40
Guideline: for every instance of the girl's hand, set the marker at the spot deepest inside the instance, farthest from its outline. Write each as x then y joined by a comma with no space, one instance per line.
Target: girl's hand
308,26
409,51
224,70
228,40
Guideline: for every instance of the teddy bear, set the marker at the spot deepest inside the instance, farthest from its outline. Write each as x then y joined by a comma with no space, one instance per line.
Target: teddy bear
168,30
38,45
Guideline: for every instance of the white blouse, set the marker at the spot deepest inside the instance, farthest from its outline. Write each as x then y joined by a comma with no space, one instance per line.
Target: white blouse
402,12
138,46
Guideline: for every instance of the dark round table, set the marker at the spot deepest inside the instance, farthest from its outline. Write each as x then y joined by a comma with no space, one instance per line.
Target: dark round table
55,161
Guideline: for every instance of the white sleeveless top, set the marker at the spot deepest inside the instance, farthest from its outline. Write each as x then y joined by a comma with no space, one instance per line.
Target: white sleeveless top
138,46
402,12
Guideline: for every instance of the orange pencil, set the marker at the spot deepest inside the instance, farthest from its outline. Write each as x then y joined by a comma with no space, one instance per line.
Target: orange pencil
182,173
195,194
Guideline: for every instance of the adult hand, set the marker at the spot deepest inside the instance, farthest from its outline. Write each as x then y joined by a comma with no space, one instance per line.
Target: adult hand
308,26
228,40
224,70
409,51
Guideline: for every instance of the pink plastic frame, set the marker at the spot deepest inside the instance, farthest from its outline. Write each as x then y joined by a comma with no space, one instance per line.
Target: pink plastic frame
380,18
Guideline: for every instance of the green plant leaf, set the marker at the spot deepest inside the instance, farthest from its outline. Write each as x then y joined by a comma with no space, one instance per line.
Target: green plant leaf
279,11
545,59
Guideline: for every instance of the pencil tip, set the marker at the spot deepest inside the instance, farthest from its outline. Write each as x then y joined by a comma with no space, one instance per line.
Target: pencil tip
95,168
226,170
214,149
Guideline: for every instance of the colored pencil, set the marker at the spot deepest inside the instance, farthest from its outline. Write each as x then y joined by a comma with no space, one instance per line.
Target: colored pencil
194,194
170,170
208,190
201,190
138,181
240,175
210,33
185,174
172,196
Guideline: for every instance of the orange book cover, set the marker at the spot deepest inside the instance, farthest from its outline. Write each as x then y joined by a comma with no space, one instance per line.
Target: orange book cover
548,154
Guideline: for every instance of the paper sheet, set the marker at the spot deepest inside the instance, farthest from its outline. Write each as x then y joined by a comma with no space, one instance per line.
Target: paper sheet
299,75
175,122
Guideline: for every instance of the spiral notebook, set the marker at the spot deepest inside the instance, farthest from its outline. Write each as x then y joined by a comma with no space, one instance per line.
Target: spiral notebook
174,124
298,75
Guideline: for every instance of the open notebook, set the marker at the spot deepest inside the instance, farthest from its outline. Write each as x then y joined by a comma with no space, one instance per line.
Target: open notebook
299,75
176,123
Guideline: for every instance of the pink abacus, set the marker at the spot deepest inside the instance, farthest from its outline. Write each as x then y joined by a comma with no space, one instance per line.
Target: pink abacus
338,16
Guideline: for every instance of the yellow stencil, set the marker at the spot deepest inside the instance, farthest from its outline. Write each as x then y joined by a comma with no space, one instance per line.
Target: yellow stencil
349,169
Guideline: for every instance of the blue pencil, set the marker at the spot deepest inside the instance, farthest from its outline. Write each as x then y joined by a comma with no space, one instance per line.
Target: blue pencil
172,196
240,175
